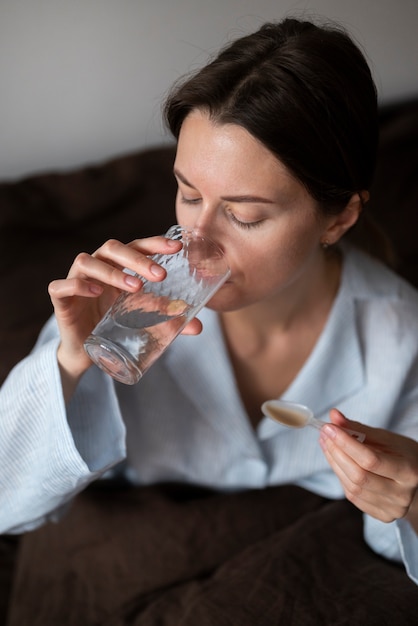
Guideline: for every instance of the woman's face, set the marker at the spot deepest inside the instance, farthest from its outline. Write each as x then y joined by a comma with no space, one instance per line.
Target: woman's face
234,190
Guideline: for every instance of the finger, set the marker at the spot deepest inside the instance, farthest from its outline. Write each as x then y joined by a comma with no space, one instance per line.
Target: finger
194,327
90,269
370,455
355,429
375,437
65,288
380,497
156,244
352,476
390,476
135,255
338,418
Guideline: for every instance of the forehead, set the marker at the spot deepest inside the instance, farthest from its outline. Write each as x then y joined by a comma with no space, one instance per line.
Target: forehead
227,154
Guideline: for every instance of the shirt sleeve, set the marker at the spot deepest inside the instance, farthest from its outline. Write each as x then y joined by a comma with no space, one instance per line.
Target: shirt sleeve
396,541
50,453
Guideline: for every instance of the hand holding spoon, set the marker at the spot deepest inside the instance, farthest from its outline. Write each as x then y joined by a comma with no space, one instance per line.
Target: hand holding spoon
298,416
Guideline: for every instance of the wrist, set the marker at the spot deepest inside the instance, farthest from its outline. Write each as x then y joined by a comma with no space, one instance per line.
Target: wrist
72,366
412,515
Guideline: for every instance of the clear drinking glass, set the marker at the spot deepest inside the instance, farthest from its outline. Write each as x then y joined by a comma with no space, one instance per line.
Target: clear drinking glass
139,326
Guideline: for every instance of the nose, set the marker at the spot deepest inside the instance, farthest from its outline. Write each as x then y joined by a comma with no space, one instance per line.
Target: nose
204,222
209,229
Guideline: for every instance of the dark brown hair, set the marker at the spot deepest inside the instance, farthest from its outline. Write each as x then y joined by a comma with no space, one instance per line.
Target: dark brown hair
306,92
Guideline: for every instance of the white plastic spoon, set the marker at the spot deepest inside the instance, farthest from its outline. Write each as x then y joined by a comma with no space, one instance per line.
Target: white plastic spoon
298,416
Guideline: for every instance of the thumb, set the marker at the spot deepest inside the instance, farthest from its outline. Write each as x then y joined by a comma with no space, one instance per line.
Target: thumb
194,327
337,417
355,429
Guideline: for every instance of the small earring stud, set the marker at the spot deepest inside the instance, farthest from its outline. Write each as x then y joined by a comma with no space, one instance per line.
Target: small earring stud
324,244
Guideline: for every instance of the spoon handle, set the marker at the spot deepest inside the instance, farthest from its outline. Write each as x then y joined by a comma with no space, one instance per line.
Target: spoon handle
353,433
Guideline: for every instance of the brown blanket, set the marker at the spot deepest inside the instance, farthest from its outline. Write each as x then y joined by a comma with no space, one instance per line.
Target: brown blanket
170,555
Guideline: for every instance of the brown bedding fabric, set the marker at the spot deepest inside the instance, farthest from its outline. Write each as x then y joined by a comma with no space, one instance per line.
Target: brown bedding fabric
8,550
171,555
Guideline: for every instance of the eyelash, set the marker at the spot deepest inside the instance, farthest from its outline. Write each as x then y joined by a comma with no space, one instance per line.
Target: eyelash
190,200
245,225
235,220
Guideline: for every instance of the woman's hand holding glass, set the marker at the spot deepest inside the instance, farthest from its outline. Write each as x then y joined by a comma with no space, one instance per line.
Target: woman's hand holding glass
379,476
92,285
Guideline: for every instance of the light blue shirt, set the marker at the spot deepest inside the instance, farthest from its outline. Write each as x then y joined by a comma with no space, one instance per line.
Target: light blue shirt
185,420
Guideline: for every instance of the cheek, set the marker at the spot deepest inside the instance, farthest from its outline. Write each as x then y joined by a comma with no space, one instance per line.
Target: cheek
273,251
278,259
298,237
256,262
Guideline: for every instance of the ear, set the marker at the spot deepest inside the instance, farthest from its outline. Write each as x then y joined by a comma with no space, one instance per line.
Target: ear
339,224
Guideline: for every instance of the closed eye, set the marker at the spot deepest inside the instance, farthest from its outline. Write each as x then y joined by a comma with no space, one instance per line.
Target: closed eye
190,200
230,214
243,224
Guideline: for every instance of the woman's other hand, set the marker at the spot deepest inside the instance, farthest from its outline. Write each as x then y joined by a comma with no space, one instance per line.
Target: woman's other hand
379,476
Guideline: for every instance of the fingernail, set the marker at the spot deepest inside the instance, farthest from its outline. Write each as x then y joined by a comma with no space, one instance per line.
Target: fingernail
156,270
172,243
329,431
132,281
96,289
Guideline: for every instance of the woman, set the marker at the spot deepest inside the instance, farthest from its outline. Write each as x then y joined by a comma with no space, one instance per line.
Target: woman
276,147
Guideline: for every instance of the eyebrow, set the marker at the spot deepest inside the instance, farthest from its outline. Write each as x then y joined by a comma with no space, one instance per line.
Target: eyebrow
240,198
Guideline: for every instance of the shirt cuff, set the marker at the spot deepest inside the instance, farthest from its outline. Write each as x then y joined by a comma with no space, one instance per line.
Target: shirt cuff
408,543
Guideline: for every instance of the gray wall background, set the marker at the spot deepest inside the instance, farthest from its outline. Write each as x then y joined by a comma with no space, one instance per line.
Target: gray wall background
82,80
